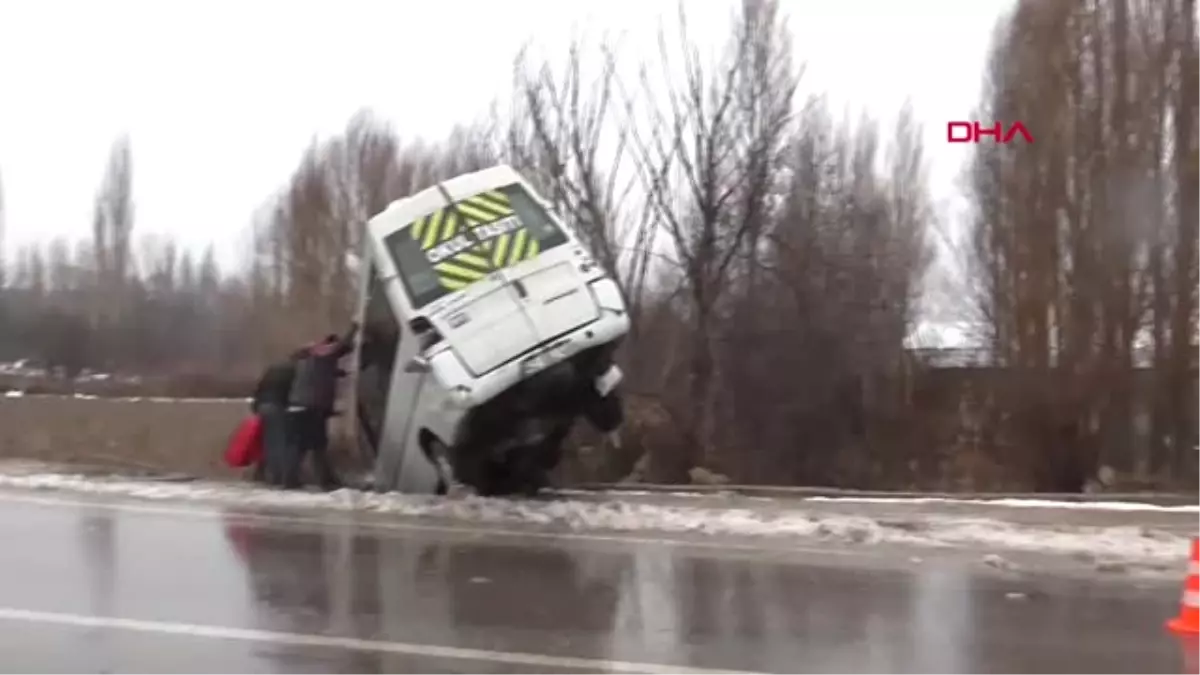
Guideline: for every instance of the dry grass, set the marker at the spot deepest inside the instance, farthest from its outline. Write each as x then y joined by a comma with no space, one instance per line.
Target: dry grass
161,436
190,436
184,436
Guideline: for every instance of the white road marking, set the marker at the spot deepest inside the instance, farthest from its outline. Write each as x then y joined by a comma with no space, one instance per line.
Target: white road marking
356,644
211,513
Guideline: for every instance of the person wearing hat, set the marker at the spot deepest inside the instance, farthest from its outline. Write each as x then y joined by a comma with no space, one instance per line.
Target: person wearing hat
311,400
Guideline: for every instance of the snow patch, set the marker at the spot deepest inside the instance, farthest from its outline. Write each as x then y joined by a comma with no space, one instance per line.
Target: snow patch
617,494
1014,503
1127,544
14,393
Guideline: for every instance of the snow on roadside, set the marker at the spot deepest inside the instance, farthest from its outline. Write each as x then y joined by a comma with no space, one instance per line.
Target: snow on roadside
1128,544
1015,503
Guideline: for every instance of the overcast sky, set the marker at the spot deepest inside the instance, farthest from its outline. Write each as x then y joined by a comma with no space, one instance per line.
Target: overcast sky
220,97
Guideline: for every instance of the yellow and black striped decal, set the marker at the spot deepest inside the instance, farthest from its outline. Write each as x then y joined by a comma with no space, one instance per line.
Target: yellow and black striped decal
499,239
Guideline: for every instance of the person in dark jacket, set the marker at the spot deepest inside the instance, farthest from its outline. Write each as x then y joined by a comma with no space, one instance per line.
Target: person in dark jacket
310,405
270,403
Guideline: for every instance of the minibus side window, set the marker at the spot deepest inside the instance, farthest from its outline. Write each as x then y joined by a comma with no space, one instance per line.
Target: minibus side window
377,359
534,217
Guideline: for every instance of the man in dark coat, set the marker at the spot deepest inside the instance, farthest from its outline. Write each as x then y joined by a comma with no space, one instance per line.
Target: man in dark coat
270,403
310,405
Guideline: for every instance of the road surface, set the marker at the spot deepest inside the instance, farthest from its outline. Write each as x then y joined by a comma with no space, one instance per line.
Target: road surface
91,584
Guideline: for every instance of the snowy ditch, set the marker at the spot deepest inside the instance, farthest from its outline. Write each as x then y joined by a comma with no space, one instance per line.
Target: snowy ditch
1129,544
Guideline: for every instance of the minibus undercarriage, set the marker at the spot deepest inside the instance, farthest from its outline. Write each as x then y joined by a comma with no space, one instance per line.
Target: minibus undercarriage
511,443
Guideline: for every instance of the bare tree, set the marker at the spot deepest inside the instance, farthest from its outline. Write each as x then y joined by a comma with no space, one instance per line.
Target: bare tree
1157,122
1036,236
112,221
158,260
1072,234
310,241
112,224
716,134
33,263
372,152
558,138
1187,211
468,148
3,254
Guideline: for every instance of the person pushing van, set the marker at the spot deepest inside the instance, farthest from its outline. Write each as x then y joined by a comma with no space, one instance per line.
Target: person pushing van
310,405
270,403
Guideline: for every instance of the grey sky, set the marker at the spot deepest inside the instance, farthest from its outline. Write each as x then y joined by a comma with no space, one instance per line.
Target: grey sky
220,97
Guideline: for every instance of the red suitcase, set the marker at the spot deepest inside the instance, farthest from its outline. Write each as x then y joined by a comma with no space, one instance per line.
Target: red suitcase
245,445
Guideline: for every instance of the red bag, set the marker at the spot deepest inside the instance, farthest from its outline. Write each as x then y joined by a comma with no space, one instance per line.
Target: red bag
245,445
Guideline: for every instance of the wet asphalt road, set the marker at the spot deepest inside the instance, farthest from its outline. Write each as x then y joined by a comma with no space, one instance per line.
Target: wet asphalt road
111,586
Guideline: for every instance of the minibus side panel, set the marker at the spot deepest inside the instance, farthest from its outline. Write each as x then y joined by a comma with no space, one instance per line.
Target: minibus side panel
374,354
400,463
557,299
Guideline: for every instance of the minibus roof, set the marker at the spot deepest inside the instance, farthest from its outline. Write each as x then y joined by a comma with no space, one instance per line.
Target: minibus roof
408,209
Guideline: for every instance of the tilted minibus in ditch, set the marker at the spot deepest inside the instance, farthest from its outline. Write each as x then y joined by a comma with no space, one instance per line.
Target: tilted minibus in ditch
488,329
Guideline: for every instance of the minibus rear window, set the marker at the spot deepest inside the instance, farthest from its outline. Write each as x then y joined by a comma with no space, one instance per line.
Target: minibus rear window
436,255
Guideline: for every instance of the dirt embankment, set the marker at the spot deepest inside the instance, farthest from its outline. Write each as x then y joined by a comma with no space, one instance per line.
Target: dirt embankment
158,435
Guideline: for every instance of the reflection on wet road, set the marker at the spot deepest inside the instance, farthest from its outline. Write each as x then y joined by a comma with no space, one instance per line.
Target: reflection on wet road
119,587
